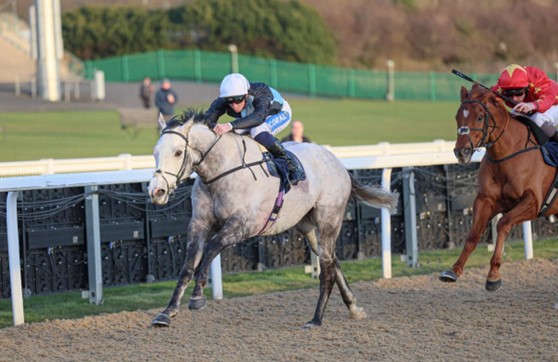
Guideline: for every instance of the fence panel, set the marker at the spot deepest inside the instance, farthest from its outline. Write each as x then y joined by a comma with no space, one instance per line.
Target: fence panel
308,79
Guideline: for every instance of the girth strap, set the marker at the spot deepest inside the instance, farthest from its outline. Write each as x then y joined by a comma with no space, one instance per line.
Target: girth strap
274,213
550,196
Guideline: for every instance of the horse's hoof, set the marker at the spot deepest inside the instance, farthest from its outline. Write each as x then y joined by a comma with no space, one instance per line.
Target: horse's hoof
311,324
197,304
162,320
448,276
493,286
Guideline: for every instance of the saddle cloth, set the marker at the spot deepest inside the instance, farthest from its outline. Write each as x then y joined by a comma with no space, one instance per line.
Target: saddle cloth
550,153
278,167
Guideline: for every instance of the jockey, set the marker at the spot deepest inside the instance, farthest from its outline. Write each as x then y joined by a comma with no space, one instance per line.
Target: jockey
258,109
535,95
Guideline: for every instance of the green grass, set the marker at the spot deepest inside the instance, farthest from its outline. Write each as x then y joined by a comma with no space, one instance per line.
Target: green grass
156,295
34,136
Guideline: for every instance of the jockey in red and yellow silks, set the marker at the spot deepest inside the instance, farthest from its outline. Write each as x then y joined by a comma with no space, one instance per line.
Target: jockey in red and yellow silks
535,95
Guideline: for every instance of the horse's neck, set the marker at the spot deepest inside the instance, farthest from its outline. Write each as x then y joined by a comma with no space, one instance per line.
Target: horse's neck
228,152
510,136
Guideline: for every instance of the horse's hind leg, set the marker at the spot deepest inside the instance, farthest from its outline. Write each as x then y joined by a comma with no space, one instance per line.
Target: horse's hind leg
348,297
346,293
327,233
523,211
328,274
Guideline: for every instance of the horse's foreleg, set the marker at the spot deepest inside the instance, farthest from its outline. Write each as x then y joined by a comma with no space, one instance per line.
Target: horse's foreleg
483,210
231,233
196,240
525,210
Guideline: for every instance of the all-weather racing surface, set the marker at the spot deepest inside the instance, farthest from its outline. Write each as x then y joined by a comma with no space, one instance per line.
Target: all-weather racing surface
410,318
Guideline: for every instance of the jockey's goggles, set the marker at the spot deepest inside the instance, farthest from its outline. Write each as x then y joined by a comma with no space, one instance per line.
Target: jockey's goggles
235,100
514,92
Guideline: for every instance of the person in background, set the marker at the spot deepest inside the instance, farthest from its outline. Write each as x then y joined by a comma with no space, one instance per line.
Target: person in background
297,133
534,94
257,109
165,99
146,92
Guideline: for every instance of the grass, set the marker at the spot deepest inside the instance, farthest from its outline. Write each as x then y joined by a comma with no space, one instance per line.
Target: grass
33,136
147,296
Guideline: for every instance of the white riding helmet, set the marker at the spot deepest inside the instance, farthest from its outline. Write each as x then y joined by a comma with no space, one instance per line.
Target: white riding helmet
234,84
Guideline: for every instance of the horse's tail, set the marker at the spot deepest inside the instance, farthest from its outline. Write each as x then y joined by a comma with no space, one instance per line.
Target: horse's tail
375,196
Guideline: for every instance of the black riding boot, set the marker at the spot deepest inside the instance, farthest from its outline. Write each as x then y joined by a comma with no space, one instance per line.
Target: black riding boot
296,173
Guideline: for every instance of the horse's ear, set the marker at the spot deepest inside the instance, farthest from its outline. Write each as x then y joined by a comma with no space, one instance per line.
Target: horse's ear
464,93
162,122
185,128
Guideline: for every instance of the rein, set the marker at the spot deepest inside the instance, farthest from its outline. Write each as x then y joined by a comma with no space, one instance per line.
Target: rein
242,166
182,169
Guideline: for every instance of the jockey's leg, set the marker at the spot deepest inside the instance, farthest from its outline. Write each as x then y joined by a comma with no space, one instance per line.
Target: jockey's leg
265,133
547,121
275,147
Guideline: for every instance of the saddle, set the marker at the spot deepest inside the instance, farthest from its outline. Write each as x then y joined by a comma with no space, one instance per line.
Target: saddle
278,167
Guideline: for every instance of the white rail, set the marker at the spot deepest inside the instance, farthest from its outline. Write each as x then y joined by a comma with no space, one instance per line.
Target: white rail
129,162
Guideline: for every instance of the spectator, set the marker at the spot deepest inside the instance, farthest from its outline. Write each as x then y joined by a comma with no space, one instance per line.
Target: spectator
165,99
297,133
146,91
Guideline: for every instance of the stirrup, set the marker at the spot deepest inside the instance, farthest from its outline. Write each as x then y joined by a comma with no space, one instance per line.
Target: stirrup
296,176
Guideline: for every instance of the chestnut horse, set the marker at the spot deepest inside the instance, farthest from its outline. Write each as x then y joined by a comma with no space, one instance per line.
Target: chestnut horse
513,177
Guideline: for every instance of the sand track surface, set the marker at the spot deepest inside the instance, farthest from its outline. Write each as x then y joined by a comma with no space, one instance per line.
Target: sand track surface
409,319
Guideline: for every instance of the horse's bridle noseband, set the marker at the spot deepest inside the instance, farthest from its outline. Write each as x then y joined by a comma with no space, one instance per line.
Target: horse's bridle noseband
466,131
182,169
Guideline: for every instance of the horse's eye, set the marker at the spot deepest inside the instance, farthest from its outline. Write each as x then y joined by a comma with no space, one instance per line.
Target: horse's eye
480,118
178,153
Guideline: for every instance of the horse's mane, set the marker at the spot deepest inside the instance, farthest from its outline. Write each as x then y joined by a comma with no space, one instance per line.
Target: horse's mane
197,115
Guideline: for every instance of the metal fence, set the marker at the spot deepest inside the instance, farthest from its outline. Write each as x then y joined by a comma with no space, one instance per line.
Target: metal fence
307,79
142,242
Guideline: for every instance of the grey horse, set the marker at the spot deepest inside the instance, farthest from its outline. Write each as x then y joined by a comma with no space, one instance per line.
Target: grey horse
233,198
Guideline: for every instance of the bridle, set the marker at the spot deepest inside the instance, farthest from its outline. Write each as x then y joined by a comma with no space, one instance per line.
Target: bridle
466,131
182,169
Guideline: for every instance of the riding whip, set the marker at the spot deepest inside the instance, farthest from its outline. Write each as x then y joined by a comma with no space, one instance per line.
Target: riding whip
467,78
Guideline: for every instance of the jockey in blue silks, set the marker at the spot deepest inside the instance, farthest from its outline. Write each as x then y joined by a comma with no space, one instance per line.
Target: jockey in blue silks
258,109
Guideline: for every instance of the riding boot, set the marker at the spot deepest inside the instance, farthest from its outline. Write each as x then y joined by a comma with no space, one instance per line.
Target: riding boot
296,173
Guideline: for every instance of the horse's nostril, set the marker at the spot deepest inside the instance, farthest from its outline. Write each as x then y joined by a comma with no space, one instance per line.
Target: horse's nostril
159,192
467,151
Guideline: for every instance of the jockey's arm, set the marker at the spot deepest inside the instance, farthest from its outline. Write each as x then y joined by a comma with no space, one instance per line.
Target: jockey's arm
216,110
261,104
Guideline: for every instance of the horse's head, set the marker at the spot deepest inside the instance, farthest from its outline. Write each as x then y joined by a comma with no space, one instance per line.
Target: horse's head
475,121
175,156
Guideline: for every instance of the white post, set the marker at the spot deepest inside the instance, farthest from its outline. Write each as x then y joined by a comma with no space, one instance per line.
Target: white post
527,240
390,94
234,57
216,278
47,48
386,228
13,257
